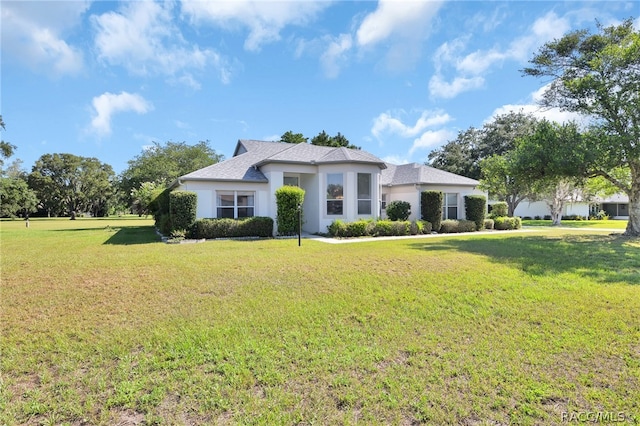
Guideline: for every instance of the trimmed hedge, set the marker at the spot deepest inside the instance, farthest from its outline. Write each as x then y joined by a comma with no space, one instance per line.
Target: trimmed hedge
182,209
288,198
452,226
499,209
398,210
504,223
475,207
431,203
232,228
488,224
380,228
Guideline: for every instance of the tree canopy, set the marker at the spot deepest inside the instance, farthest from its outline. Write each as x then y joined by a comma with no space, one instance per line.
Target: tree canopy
597,75
67,183
161,164
497,137
290,137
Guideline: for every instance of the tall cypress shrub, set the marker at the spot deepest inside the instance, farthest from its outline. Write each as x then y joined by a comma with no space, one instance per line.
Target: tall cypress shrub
182,209
288,198
431,208
474,208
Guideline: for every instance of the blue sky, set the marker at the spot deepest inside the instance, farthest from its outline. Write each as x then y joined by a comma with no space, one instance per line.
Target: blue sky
398,78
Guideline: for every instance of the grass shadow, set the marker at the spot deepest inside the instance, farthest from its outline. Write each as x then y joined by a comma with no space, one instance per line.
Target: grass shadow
606,259
133,235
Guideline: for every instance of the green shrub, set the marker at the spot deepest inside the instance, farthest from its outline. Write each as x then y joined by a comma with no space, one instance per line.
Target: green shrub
504,223
159,204
426,227
467,225
382,228
415,228
400,227
357,228
449,226
398,210
499,209
182,208
288,198
488,224
337,228
163,223
431,203
232,228
475,207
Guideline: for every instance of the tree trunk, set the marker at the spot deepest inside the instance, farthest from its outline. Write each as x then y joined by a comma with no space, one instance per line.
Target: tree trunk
633,226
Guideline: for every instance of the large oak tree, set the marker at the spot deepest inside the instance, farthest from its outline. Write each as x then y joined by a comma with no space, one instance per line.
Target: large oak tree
598,75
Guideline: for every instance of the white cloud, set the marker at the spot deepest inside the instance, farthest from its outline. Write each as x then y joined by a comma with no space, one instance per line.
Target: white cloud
442,89
264,19
532,107
385,123
391,17
395,159
335,55
34,34
108,104
390,125
143,38
471,68
403,27
432,138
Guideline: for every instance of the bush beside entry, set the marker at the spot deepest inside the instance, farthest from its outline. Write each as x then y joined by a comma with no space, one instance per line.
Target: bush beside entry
289,199
431,207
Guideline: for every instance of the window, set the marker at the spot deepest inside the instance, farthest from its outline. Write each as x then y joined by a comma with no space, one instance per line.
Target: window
364,193
450,206
383,202
291,180
235,204
335,194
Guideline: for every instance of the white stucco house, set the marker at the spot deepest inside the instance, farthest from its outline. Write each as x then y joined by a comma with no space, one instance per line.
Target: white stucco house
616,207
339,183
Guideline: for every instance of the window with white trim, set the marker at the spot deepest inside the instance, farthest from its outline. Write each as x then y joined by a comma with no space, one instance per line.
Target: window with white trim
364,193
335,194
450,206
235,204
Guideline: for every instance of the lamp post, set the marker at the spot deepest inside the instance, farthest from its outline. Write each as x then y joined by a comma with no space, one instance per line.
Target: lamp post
299,224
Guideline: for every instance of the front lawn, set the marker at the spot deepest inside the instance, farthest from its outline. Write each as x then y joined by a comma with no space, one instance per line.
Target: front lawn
103,324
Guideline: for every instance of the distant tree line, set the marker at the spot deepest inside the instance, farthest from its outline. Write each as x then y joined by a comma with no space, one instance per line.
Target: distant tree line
63,184
67,184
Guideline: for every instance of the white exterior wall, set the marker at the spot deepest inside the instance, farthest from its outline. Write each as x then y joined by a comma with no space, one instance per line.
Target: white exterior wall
207,195
540,208
411,194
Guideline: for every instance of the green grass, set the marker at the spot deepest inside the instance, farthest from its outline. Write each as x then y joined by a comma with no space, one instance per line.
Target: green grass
103,324
591,224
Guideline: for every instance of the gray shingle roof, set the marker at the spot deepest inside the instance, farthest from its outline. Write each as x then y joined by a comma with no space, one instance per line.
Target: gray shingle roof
249,155
413,173
241,166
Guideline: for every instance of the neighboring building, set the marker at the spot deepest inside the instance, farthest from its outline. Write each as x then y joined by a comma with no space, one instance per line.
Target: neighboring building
339,183
616,206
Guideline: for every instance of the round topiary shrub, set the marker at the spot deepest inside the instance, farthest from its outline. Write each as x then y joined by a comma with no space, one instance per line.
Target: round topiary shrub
398,210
